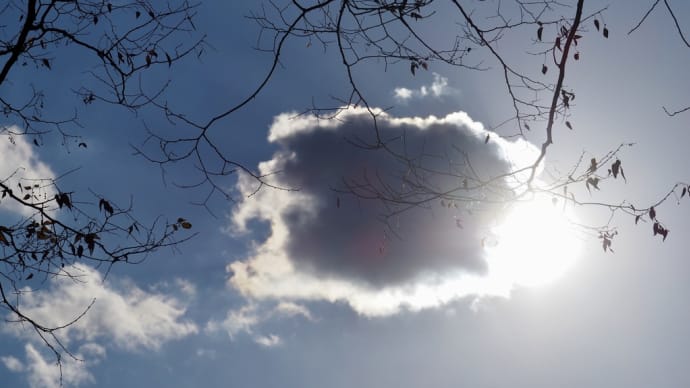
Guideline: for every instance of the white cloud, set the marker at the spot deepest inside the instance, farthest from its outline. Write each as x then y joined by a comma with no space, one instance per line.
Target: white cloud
122,315
20,164
12,363
291,309
268,341
246,320
438,88
316,251
42,371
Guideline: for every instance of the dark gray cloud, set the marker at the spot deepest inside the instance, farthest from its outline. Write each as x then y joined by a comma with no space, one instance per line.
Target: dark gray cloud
330,234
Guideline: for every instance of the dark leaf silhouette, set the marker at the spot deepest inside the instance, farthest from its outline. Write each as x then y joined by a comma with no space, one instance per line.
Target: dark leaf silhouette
606,32
596,24
46,63
540,30
652,213
567,124
486,140
544,69
592,166
615,168
593,182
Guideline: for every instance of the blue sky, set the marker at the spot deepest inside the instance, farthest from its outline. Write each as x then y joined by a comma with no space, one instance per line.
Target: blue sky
256,298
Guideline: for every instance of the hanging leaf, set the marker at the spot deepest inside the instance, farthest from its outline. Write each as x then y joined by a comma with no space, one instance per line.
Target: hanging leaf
606,32
413,67
167,57
570,126
46,63
577,56
592,166
685,190
596,24
652,213
592,181
527,126
637,219
558,44
544,69
615,168
540,30
486,140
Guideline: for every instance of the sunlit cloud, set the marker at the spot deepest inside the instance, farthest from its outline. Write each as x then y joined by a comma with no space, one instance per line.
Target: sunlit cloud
247,320
438,88
324,246
122,315
21,166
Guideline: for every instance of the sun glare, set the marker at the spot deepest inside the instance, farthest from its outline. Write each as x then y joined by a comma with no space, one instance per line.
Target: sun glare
534,245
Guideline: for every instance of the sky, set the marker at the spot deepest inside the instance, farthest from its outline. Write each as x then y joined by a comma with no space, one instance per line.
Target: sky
307,288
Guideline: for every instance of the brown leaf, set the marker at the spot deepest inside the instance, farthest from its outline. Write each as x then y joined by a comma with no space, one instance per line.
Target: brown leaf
544,69
570,126
596,24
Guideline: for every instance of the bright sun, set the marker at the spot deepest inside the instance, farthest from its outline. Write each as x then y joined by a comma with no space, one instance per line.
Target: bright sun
535,244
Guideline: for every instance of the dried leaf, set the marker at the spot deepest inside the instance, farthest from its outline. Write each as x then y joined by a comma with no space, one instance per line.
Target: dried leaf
652,213
606,32
592,166
570,126
596,24
544,69
540,30
615,168
486,140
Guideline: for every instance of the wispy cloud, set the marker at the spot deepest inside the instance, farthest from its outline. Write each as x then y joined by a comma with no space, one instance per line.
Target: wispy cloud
438,88
247,319
122,315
